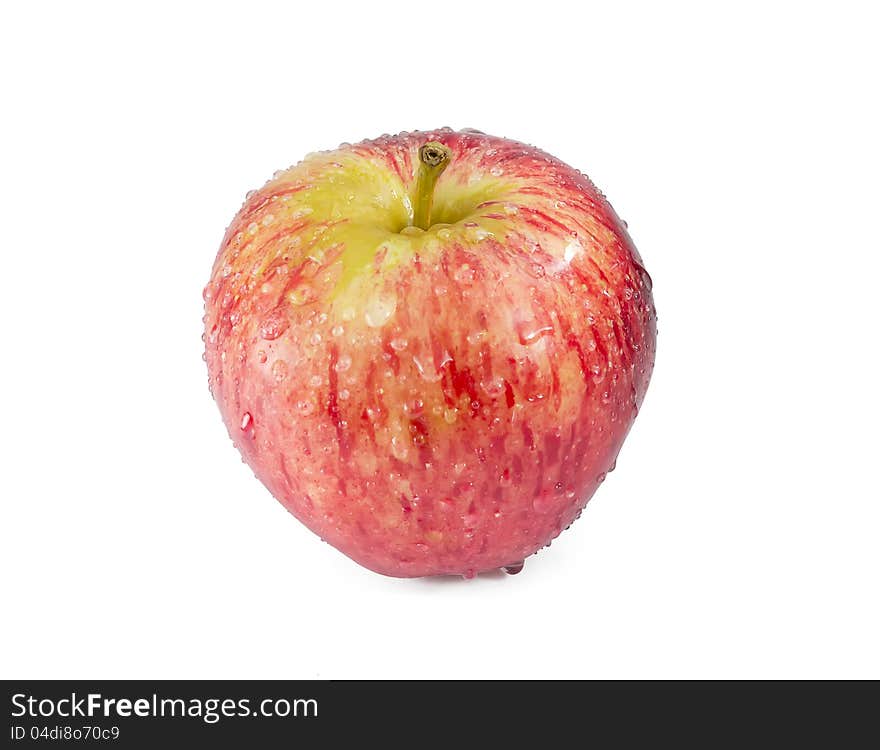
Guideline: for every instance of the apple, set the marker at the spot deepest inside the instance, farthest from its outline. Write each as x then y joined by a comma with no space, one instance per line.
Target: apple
430,347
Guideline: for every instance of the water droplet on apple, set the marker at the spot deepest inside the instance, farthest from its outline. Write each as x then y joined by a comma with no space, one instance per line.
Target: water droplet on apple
414,408
315,381
302,295
246,423
514,568
426,370
496,171
398,344
343,363
450,415
337,330
344,394
572,249
253,228
273,326
531,332
464,275
399,448
493,386
542,502
379,310
279,370
305,407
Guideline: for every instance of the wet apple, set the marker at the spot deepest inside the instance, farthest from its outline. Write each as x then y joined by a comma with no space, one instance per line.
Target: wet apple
430,347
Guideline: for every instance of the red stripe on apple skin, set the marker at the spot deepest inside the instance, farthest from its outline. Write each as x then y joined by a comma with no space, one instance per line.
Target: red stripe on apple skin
555,390
540,442
265,196
333,409
528,437
390,355
543,221
419,433
254,206
404,173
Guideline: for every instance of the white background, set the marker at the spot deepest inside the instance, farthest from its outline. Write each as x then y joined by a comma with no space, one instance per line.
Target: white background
738,536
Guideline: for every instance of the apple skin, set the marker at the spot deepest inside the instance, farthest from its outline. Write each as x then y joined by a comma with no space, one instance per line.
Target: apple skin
430,402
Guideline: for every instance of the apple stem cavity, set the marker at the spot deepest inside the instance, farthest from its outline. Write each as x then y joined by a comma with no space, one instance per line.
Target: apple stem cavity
433,159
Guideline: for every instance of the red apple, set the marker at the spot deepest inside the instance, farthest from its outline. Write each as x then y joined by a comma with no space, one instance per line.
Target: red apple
430,347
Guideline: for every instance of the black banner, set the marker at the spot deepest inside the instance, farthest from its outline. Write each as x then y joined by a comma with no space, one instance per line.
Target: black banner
143,713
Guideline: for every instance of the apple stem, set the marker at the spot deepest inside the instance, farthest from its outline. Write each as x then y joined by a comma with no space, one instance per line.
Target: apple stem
433,159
